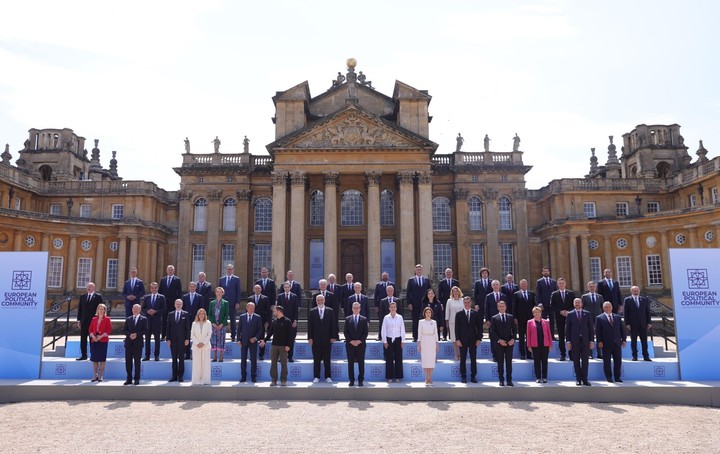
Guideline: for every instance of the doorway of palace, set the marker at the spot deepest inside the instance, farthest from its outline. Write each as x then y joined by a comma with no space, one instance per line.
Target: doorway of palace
352,261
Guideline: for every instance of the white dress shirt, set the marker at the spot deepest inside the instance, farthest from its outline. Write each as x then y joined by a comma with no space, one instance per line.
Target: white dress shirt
393,327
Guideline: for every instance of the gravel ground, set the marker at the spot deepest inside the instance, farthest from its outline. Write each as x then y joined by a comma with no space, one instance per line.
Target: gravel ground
355,427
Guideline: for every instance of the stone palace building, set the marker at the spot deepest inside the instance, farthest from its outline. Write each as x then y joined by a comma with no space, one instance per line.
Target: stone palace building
353,183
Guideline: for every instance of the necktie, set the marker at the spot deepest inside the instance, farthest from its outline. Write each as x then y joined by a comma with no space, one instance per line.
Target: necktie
468,315
610,284
257,298
321,314
264,283
287,297
547,281
562,295
132,283
249,318
152,303
357,298
525,295
579,315
192,299
592,295
502,317
485,282
177,317
135,319
637,302
90,295
417,280
385,284
391,300
497,297
610,319
449,283
356,321
169,280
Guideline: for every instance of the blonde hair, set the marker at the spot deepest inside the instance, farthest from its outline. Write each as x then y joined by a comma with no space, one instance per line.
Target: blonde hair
200,311
536,309
460,293
101,305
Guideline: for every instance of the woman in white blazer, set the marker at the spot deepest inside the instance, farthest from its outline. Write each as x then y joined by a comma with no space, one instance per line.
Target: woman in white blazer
200,336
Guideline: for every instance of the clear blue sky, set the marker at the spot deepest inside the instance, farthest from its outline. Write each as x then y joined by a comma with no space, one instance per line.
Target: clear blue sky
142,75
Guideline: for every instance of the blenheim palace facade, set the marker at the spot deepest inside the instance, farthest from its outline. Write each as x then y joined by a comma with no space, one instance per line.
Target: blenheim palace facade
353,183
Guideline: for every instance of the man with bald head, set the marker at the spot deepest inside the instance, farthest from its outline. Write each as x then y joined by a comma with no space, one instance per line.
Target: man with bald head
250,332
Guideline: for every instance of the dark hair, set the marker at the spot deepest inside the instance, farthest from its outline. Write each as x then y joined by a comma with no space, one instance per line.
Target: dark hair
425,298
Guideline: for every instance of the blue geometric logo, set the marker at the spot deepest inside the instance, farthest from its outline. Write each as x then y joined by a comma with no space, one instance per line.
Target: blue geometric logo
295,372
21,280
455,371
415,371
216,371
659,371
376,371
335,371
698,278
60,369
494,371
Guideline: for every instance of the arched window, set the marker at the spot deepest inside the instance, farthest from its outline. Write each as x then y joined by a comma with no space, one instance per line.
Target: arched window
317,208
441,214
229,210
505,214
475,220
387,208
351,208
199,221
263,215
663,169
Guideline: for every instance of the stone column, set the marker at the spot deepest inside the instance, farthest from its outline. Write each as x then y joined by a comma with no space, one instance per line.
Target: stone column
212,247
574,268
585,255
70,278
692,235
122,261
45,242
462,267
298,181
17,240
152,263
279,222
552,256
492,224
425,227
607,255
133,257
637,262
161,266
407,224
560,269
99,277
243,263
522,252
330,223
184,246
374,264
665,259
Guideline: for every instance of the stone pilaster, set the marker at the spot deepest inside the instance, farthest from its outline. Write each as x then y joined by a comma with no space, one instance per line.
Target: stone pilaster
425,227
492,224
279,213
373,228
184,245
71,276
585,256
637,262
407,224
99,277
243,262
213,214
462,267
330,241
122,262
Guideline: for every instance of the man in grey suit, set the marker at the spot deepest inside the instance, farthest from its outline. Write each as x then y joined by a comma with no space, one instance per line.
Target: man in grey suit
637,321
250,332
593,303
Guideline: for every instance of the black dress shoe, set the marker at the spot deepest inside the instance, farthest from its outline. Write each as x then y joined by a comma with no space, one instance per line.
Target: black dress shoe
128,382
220,360
254,380
537,381
291,360
510,383
137,382
586,383
262,358
634,358
599,357
352,383
544,380
180,380
147,358
172,380
618,380
474,380
578,383
243,380
214,360
522,357
463,380
647,359
562,358
609,380
502,383
82,358
360,383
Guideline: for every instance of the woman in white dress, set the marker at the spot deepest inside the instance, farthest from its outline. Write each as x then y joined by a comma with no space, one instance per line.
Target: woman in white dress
453,306
200,336
428,344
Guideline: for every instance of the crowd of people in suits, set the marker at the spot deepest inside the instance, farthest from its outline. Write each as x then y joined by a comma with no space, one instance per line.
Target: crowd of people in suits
195,324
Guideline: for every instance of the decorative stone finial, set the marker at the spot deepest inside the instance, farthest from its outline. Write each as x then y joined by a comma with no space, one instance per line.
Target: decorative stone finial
246,145
351,63
702,153
95,160
6,156
612,153
113,164
593,161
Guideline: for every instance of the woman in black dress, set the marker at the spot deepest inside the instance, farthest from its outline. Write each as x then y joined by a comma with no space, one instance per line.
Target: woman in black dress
430,300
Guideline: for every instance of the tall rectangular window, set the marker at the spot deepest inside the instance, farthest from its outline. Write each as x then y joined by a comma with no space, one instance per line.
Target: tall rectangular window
84,272
624,271
229,210
85,210
262,257
118,211
692,201
477,259
654,271
387,257
507,261
227,255
715,195
198,258
55,209
317,263
111,278
442,258
621,208
595,269
589,210
55,271
653,207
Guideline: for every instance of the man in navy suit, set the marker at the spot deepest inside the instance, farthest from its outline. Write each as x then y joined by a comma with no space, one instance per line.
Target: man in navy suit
87,306
561,301
356,333
502,334
346,290
291,304
384,307
295,286
637,321
133,291
192,302
610,334
153,306
134,330
171,289
334,288
445,286
263,309
610,291
250,332
468,335
178,339
523,302
580,331
417,287
357,297
322,332
204,288
593,303
380,294
491,309
481,288
267,285
508,289
544,287
231,284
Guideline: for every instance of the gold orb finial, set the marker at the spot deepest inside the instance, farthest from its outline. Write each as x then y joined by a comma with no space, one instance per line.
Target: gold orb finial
351,63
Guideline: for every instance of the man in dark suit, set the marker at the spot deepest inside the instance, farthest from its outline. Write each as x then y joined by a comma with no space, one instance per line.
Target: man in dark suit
346,290
250,332
637,321
580,331
133,290
561,301
384,307
134,330
231,284
192,303
267,285
262,309
291,303
87,306
593,303
610,291
204,288
502,334
330,300
153,306
171,289
523,302
295,286
178,339
544,287
610,335
490,308
357,297
481,288
356,333
445,286
417,287
508,289
335,288
468,335
322,332
380,294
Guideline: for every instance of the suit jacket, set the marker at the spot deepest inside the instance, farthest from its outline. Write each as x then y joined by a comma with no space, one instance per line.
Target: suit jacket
637,316
269,289
468,331
231,285
171,292
491,305
200,333
290,305
262,307
86,309
500,330
139,328
381,291
296,288
138,290
576,328
415,293
197,303
544,291
594,309
384,307
480,291
206,290
224,312
509,290
252,329
364,306
105,326
444,289
610,334
613,295
557,303
532,335
160,307
321,331
521,308
179,331
352,333
330,301
344,293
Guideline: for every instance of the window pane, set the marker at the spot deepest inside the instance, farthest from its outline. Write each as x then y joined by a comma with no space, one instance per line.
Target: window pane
441,214
595,270
505,214
477,258
474,214
442,258
654,271
351,208
118,211
227,254
198,258
507,262
55,270
55,209
263,215
589,210
387,208
262,257
111,278
83,272
200,215
317,208
229,210
624,271
85,210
